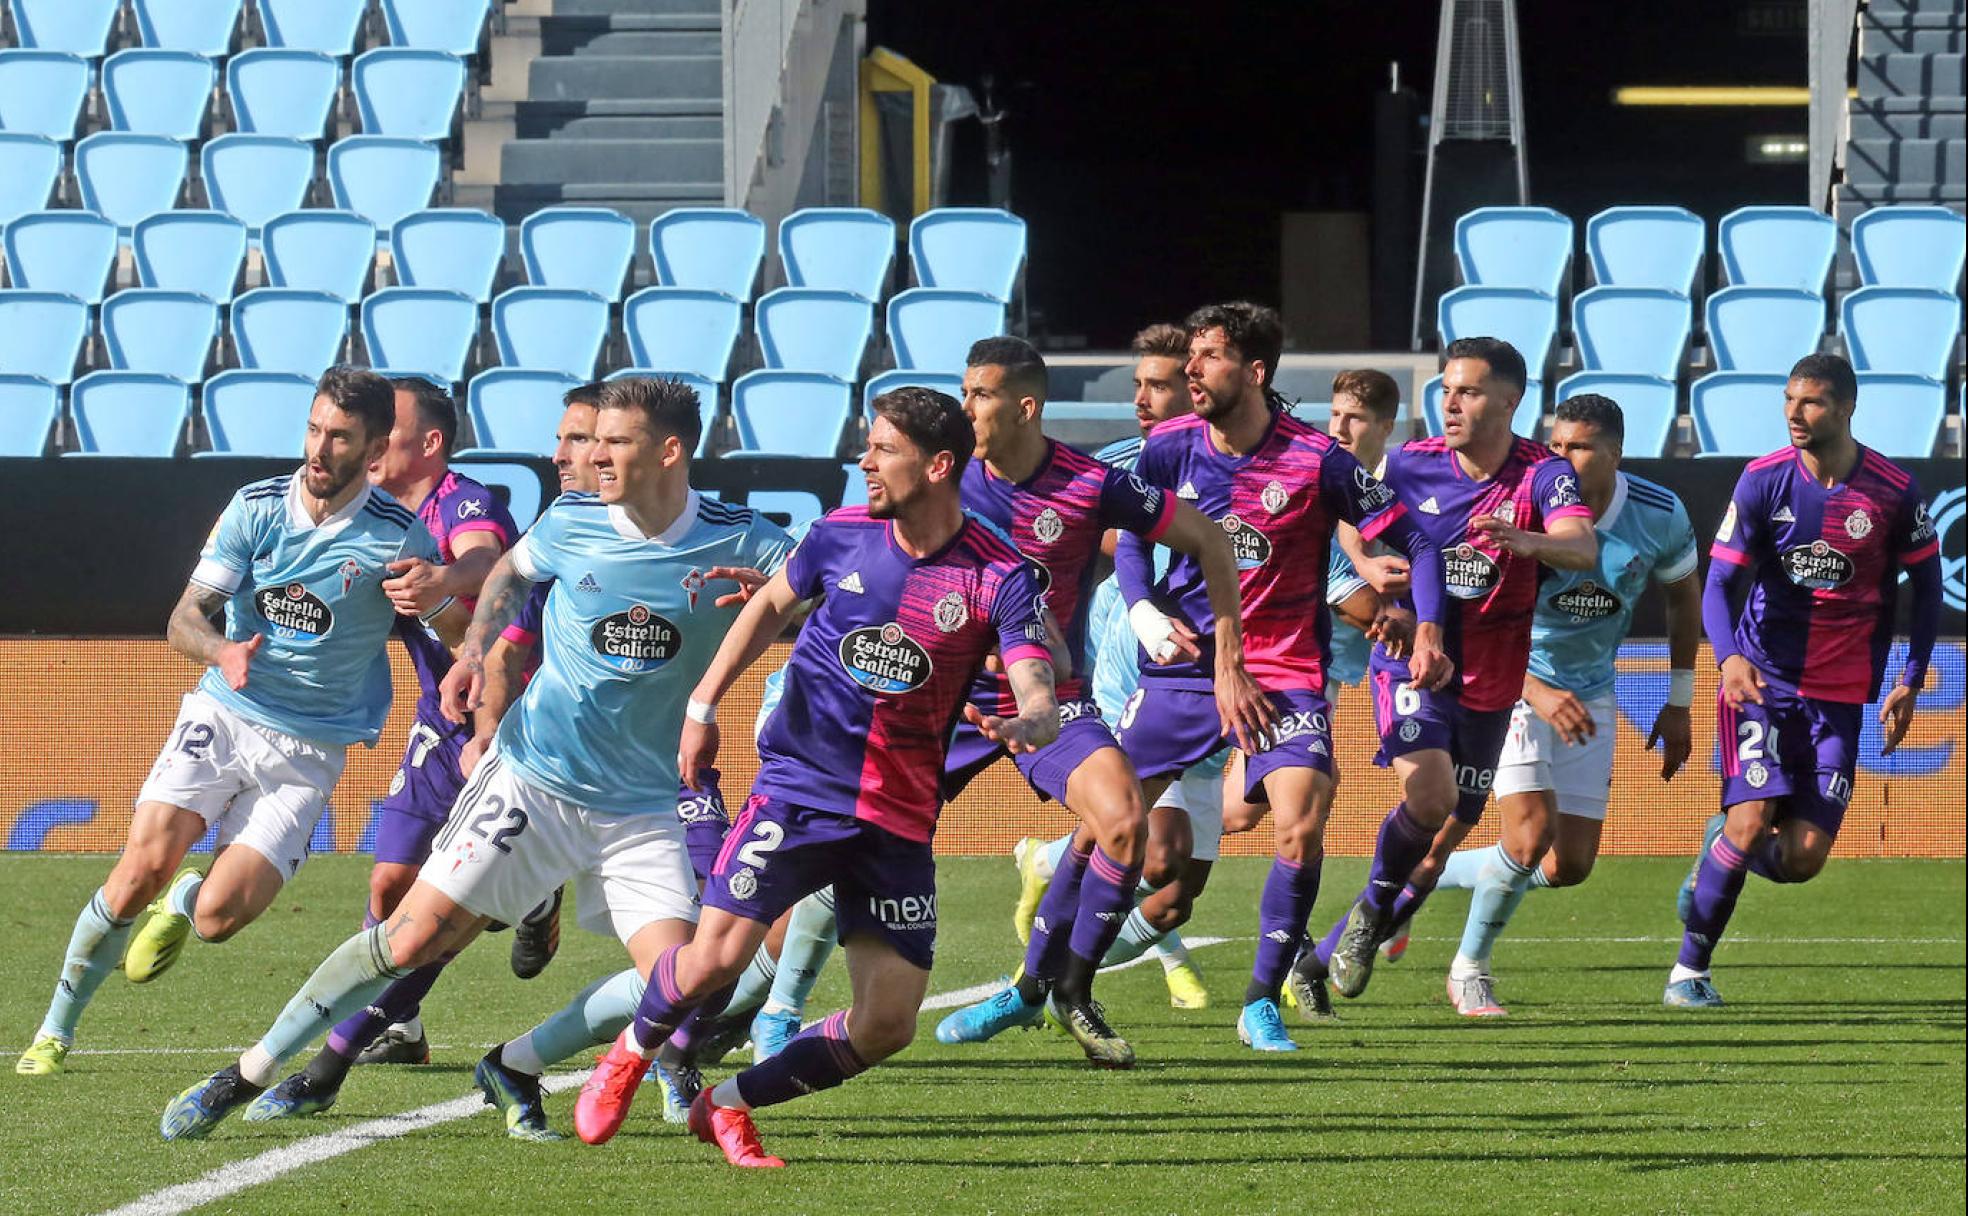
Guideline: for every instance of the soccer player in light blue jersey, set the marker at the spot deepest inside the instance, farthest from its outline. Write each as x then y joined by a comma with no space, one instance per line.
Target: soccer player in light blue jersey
1555,772
581,781
299,564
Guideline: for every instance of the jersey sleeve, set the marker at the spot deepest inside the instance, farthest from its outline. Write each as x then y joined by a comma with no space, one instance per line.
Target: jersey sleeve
1920,555
1730,560
1134,563
805,566
525,627
1356,495
1129,503
767,546
1555,492
1741,529
1918,540
475,508
419,543
1342,580
1018,611
228,551
1679,554
533,554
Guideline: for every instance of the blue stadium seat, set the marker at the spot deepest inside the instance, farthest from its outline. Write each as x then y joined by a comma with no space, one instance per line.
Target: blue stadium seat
968,249
329,251
715,248
585,248
158,92
1739,413
289,329
682,329
29,407
1515,247
196,251
788,413
1646,402
126,177
203,26
382,178
1529,409
1777,247
256,177
126,413
151,330
407,93
257,413
855,493
41,92
932,328
1763,329
1525,318
707,398
1632,329
277,92
329,26
1646,247
451,248
942,382
838,248
1910,247
41,333
29,168
552,328
810,330
1901,329
1899,415
413,329
517,409
80,27
72,252
437,25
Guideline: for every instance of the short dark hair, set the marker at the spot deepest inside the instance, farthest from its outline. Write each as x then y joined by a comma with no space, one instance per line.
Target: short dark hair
435,408
588,394
1832,370
1024,369
1256,331
933,421
670,406
1506,364
1373,389
363,393
1596,411
1162,340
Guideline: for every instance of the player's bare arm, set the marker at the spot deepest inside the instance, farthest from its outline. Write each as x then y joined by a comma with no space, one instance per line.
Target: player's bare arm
416,586
1037,723
1386,573
192,634
1244,710
505,665
748,580
1565,544
764,618
499,601
1672,727
1561,708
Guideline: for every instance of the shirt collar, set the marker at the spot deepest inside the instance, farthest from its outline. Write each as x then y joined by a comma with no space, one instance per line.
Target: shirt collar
1615,505
299,520
678,529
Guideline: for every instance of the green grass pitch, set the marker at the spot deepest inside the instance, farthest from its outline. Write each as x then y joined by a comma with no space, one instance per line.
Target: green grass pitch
1833,1083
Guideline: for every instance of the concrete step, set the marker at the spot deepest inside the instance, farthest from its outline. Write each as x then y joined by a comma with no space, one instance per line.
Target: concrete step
1916,12
1905,160
580,77
635,8
1952,195
1849,206
641,204
1897,75
1876,39
581,161
647,44
1873,122
542,119
689,127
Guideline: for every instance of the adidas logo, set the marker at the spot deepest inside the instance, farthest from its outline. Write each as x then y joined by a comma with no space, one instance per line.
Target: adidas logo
588,583
1188,491
1431,506
1783,516
1281,936
852,583
1039,925
1107,916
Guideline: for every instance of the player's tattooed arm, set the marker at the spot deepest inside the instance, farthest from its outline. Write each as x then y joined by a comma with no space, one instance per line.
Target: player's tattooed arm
1037,723
192,634
505,664
1673,729
499,601
759,624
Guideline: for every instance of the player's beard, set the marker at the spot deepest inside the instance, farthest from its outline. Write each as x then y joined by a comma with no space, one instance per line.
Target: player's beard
337,478
1212,407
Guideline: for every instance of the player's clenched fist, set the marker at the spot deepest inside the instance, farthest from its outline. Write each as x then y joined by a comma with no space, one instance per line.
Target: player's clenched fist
463,688
236,657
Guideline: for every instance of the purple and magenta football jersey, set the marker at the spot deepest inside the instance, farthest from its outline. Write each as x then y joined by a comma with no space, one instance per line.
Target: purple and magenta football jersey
1056,518
456,505
1488,630
1279,504
1825,563
884,665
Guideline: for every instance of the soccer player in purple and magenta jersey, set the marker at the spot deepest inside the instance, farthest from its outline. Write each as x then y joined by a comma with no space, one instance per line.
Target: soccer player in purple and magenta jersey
913,594
1056,504
1278,488
1499,506
1811,547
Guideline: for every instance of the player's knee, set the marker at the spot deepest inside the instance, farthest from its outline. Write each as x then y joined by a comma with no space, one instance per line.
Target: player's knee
133,883
1570,871
1242,816
216,919
1173,914
1802,865
1300,841
881,1034
1164,863
1124,830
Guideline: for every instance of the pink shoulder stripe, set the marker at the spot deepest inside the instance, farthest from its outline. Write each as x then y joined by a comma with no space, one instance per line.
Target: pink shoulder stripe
1722,553
1026,650
1774,458
1887,471
1429,443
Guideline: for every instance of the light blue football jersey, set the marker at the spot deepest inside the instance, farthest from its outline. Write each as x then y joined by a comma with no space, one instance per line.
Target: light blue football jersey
630,625
1583,616
1349,646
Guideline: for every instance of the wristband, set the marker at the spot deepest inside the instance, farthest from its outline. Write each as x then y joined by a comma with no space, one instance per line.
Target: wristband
436,612
1681,687
701,712
1152,629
